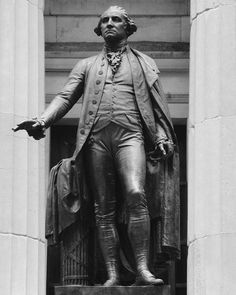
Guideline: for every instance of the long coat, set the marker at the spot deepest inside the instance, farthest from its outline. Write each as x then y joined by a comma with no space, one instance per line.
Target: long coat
86,82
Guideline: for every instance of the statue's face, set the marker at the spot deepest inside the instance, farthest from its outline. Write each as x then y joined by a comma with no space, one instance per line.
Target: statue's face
113,25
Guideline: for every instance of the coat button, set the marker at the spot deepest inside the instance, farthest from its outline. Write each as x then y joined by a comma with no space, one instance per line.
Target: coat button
82,131
100,72
90,112
98,82
96,92
103,64
94,101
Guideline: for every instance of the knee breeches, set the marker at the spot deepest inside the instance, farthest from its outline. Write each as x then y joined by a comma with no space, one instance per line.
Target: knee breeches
116,156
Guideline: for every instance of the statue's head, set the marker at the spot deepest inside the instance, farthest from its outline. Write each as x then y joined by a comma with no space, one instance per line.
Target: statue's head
115,24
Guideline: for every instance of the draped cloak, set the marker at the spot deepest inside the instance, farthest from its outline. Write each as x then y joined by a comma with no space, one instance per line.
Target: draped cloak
86,83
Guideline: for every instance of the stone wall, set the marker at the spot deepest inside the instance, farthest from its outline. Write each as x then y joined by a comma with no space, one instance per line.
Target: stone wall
71,21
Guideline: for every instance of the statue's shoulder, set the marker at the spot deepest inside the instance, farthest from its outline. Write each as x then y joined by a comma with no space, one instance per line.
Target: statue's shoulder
146,59
86,62
91,59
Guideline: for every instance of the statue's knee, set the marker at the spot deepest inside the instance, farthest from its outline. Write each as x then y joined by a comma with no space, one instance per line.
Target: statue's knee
104,219
136,200
104,213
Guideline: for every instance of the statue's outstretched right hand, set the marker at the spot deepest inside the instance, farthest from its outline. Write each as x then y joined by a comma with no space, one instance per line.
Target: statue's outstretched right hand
34,128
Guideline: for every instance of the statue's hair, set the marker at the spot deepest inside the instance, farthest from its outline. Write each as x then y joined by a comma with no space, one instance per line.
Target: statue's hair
131,27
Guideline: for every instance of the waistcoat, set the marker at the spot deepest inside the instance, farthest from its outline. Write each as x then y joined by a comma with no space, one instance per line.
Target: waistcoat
118,103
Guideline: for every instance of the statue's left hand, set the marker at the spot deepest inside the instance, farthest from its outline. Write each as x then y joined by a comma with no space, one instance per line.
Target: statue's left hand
34,128
163,150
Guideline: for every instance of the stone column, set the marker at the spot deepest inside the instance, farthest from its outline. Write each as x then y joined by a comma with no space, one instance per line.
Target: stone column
212,149
22,192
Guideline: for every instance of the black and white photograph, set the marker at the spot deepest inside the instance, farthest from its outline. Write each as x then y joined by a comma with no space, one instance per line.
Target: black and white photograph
118,148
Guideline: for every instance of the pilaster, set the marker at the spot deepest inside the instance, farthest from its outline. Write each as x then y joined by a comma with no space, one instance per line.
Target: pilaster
211,149
22,164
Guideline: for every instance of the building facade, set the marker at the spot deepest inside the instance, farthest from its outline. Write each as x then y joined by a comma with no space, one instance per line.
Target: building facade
203,109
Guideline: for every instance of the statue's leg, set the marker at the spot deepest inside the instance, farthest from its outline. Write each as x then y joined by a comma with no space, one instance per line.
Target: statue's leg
132,172
102,182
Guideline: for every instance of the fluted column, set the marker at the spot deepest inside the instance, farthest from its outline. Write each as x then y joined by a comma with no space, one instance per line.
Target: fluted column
22,177
212,149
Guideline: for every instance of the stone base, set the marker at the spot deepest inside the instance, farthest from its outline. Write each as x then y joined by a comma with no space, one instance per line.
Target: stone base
118,290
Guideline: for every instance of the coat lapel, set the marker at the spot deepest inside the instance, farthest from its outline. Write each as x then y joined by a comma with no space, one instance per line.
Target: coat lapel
150,71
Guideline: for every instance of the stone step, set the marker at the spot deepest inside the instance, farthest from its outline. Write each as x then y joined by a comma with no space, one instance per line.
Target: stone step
118,290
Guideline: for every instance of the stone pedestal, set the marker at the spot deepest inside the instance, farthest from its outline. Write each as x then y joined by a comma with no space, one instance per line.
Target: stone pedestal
212,149
119,290
22,175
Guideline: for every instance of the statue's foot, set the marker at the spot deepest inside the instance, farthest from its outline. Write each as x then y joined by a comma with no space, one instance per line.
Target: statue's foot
146,278
111,282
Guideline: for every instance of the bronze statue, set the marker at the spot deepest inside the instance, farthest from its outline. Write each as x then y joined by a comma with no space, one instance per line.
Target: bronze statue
126,138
